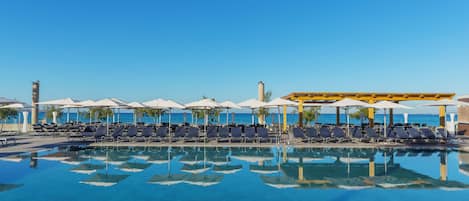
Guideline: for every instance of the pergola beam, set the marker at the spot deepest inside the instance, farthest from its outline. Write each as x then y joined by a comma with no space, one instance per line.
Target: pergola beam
369,97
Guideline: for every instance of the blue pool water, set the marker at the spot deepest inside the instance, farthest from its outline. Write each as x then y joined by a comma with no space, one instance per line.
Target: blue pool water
277,173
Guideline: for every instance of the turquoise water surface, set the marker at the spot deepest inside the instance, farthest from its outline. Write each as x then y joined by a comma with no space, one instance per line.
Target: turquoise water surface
202,173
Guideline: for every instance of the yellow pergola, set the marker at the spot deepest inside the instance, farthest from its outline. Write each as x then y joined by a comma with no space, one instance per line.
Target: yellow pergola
369,97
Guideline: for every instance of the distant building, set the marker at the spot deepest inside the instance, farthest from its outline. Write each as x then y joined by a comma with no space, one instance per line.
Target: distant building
463,116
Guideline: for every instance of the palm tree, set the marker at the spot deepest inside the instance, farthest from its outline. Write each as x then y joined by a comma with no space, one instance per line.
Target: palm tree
262,112
50,112
361,114
99,113
212,113
6,114
153,113
311,114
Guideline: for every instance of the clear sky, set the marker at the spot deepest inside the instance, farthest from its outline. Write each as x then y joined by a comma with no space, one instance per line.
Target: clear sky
141,50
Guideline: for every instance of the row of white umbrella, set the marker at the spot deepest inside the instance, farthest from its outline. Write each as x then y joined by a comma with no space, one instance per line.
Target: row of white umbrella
208,104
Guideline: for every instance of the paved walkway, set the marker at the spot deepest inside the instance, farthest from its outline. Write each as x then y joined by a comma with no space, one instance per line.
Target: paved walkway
29,144
37,143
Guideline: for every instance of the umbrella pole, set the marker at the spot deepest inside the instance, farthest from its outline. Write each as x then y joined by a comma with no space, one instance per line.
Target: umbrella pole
107,123
385,134
78,115
90,115
68,115
113,116
279,126
348,122
227,117
205,124
118,115
252,116
169,124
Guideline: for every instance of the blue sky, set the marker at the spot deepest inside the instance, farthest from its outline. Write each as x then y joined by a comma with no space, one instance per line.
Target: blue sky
141,50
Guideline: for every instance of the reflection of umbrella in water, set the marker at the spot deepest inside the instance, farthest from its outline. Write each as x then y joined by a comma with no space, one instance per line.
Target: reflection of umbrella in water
7,187
464,169
87,168
204,180
353,183
263,169
451,185
218,159
115,158
133,167
73,160
353,160
279,182
104,180
227,169
14,158
59,156
192,158
391,182
157,159
196,168
253,156
167,180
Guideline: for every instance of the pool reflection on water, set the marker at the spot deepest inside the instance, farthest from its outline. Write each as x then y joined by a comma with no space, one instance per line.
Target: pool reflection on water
282,171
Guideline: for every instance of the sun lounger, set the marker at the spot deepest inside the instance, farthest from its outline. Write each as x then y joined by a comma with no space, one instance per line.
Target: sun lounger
192,135
263,135
132,132
325,134
428,134
339,134
236,134
299,134
223,134
212,133
249,134
100,133
147,134
312,134
116,136
371,134
414,133
180,133
162,133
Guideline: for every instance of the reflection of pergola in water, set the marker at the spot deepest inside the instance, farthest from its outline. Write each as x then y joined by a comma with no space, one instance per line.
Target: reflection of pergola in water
358,176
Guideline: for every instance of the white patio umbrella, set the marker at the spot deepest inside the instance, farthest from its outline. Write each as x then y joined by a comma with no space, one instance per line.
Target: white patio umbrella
123,105
388,105
278,102
61,102
19,107
108,103
204,104
347,103
252,104
84,104
229,105
169,104
446,103
134,106
157,104
4,100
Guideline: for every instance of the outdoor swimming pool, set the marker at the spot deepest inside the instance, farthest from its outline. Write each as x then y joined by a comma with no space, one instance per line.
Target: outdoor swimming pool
203,173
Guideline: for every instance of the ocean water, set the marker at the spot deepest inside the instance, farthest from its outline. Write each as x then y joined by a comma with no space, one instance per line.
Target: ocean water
245,118
235,174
